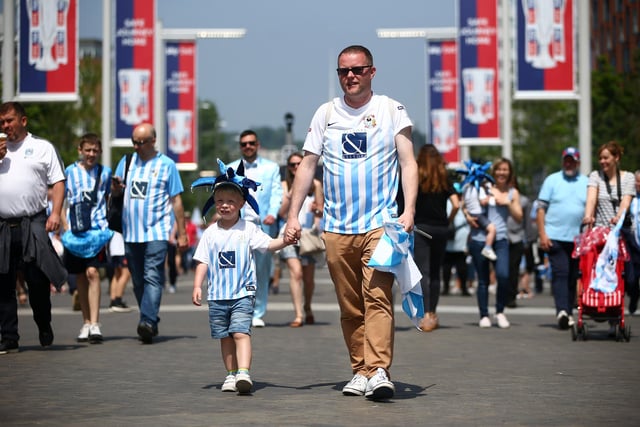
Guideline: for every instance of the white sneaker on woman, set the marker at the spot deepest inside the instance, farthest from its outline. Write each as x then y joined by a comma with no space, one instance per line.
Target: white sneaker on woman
485,322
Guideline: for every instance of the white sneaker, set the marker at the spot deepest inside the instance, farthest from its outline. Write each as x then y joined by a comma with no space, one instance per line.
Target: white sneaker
487,252
356,387
502,321
95,334
243,383
84,333
172,289
379,386
229,383
563,320
256,322
571,322
485,322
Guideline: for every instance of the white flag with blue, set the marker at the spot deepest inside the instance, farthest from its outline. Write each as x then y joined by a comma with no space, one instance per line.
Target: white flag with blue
393,255
605,276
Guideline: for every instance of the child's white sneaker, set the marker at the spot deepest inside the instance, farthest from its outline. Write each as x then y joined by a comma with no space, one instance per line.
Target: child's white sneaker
229,383
487,252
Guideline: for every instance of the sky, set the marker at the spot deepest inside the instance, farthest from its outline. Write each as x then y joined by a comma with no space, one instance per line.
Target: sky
287,60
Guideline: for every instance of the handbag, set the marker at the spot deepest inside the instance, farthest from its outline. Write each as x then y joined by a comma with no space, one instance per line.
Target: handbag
80,213
310,241
116,203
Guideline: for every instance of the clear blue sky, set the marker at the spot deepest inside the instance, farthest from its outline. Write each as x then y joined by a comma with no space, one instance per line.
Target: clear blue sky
287,60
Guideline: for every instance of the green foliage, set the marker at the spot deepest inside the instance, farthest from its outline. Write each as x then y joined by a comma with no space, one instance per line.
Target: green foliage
616,111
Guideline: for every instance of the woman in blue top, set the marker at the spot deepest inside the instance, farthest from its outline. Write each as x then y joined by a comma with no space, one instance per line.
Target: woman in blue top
504,201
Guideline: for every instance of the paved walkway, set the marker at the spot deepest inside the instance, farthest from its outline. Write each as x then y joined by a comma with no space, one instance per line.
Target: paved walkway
531,374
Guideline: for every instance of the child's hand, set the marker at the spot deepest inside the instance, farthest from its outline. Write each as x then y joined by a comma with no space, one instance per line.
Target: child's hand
196,296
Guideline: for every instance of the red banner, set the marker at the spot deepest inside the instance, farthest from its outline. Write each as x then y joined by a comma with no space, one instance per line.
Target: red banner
48,51
181,107
478,50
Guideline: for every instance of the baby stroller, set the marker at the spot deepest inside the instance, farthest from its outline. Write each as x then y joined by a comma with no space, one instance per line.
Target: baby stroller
595,300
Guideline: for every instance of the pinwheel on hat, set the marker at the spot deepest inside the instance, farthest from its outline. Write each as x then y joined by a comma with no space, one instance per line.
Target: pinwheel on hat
475,174
228,177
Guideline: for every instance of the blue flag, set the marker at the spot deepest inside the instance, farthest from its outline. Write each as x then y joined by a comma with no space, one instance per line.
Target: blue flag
393,255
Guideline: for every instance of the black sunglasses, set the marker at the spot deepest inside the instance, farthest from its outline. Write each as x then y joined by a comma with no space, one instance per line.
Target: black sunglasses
141,141
357,71
251,143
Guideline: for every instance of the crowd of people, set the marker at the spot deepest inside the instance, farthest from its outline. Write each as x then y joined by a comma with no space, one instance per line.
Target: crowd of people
370,176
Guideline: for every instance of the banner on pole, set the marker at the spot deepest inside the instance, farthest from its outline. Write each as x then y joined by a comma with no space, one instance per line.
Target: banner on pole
48,51
443,98
181,105
134,64
545,46
478,72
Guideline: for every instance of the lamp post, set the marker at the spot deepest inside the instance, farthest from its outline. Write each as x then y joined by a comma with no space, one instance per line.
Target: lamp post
289,147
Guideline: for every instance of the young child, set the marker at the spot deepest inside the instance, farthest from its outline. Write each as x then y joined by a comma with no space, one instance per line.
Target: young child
475,201
225,257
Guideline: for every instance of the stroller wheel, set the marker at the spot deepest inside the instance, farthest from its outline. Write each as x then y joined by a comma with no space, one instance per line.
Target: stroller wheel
583,333
626,333
574,332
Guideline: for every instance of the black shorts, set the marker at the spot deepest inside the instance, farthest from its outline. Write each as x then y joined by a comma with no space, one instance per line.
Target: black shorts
118,261
76,265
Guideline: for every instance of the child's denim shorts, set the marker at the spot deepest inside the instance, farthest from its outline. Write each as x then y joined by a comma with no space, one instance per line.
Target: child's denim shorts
227,317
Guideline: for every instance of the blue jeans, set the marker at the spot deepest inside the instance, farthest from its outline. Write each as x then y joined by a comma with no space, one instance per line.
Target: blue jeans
564,274
481,265
264,260
146,264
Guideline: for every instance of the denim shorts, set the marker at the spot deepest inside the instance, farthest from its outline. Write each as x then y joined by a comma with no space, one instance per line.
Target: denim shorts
227,317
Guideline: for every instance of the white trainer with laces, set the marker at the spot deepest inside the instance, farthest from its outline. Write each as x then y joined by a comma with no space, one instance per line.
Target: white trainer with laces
356,387
503,322
379,386
95,334
84,333
229,383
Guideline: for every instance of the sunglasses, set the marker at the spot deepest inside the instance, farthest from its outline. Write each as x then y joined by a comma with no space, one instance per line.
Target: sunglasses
141,141
357,71
293,165
251,143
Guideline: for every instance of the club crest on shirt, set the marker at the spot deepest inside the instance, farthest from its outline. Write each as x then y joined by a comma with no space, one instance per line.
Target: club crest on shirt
139,189
28,153
87,196
370,121
226,259
354,145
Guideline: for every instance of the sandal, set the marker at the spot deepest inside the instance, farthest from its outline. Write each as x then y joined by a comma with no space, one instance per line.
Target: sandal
296,323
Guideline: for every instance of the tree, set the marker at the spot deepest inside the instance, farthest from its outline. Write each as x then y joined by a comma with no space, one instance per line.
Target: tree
616,111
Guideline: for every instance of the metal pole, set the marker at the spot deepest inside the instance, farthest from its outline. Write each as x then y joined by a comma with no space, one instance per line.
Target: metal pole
106,82
584,104
8,49
159,81
506,81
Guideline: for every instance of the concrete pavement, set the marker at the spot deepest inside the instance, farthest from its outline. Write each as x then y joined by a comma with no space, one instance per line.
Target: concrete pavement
530,374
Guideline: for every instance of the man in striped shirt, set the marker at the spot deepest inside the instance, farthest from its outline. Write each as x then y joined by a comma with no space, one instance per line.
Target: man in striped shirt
365,143
151,203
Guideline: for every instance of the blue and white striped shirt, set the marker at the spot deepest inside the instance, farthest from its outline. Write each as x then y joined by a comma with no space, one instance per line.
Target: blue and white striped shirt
148,210
269,193
360,161
80,184
230,260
